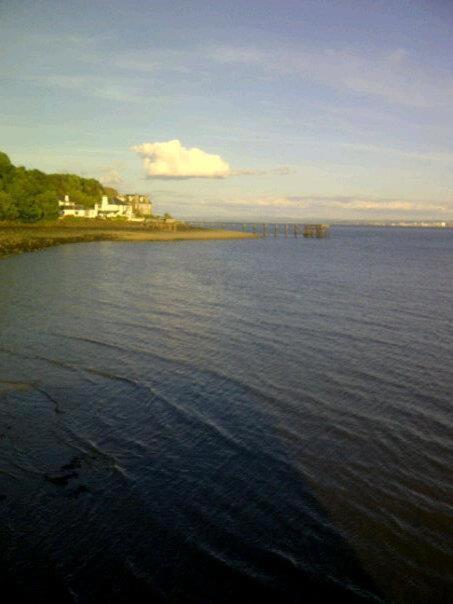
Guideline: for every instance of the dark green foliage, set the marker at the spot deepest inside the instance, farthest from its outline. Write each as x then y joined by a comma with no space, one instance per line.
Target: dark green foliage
110,192
29,210
8,209
31,195
5,165
48,202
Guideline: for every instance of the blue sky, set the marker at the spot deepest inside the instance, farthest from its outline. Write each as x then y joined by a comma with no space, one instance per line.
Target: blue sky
233,109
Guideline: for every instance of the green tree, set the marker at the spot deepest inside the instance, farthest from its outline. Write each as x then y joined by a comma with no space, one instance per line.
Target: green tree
33,195
6,171
48,202
29,210
81,198
5,164
8,209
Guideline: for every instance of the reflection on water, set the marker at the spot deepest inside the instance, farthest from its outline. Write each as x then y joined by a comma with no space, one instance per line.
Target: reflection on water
227,421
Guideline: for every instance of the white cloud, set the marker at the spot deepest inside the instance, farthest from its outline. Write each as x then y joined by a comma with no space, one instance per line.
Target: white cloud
170,160
349,203
303,207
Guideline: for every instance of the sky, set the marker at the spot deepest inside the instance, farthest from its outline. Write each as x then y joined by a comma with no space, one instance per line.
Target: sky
238,109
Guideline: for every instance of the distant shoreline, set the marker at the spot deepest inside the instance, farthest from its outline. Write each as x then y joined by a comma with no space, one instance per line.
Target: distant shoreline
21,238
331,223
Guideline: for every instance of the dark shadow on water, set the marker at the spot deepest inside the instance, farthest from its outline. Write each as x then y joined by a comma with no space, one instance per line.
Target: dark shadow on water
189,498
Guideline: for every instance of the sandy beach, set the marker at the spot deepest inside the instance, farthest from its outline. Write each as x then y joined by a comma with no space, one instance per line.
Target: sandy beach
16,239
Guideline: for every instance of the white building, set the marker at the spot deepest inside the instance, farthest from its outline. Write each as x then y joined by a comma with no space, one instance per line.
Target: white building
68,208
141,204
105,209
116,209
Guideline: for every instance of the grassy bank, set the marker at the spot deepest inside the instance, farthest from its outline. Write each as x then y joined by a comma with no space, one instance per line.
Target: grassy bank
17,238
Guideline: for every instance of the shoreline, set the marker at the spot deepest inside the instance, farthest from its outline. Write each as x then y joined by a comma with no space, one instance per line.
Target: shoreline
15,239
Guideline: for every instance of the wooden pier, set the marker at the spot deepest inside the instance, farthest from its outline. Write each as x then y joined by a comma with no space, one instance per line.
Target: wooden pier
265,229
316,230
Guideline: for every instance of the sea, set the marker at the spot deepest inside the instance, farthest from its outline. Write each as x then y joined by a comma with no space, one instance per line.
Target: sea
229,421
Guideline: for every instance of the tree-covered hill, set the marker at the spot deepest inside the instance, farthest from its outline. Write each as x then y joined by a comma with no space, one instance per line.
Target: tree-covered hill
32,195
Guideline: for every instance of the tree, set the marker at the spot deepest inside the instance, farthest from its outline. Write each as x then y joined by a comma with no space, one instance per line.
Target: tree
110,192
8,209
6,171
82,199
48,202
29,211
5,164
32,195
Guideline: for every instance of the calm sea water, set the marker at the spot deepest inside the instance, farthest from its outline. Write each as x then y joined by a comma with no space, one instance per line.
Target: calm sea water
229,421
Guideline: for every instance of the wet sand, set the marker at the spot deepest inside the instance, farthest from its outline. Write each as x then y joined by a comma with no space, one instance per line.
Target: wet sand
27,238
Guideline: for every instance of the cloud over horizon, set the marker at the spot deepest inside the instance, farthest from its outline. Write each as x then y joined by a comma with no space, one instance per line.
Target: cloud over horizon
343,203
303,207
170,160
